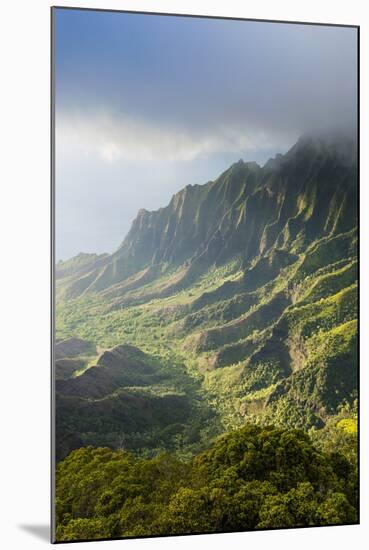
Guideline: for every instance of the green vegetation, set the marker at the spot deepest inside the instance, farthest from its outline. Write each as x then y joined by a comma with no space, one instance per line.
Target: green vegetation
147,403
235,305
253,478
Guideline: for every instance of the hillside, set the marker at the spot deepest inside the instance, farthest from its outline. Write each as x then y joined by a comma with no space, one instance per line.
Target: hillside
237,302
126,398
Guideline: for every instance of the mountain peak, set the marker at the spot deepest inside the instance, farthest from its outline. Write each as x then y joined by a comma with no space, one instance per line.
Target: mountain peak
340,143
245,212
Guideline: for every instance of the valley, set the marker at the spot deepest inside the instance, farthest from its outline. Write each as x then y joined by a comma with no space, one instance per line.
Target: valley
233,306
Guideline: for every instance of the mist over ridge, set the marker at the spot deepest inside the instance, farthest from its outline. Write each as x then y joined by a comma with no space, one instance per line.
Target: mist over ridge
200,95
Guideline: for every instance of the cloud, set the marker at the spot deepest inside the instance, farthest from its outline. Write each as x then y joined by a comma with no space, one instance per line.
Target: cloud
146,105
115,138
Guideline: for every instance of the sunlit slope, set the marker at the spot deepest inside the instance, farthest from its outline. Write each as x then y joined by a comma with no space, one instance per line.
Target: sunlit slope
246,212
249,283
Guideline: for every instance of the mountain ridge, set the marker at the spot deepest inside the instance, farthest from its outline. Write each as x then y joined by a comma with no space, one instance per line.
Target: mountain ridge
244,290
181,233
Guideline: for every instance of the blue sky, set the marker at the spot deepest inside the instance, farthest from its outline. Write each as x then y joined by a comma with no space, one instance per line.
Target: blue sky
147,104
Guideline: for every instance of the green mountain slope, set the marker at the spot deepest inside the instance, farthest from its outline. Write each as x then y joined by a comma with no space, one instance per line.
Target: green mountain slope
241,292
127,398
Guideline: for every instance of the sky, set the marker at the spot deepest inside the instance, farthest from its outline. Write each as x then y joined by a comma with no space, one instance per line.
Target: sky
145,105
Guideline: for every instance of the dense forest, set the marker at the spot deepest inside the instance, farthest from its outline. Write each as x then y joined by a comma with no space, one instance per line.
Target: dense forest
252,478
206,371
